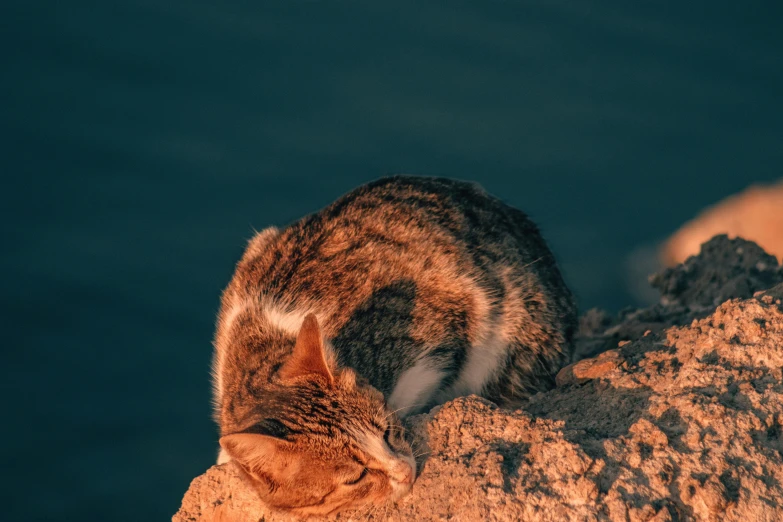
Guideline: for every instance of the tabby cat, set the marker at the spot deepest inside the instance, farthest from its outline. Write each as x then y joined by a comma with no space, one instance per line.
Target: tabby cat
401,295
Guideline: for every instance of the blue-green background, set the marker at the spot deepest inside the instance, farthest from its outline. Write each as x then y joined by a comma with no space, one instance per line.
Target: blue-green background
142,141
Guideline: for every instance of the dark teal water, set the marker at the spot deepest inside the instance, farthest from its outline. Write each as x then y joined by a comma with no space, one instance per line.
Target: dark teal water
144,140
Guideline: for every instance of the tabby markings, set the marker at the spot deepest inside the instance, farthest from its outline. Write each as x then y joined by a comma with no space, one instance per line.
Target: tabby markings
288,320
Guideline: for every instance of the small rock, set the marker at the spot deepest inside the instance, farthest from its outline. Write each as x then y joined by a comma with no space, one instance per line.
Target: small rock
588,369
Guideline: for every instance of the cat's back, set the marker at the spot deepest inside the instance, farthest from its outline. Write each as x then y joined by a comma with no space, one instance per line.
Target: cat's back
447,238
429,287
403,214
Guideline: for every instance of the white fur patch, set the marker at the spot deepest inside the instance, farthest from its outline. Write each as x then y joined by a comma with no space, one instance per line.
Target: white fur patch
287,320
483,362
217,360
223,456
234,312
290,320
415,387
394,464
485,357
374,445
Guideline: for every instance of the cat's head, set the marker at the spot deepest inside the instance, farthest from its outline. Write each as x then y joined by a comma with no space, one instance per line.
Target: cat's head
330,445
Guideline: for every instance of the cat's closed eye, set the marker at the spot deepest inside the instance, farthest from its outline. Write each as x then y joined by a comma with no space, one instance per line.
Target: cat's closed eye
357,479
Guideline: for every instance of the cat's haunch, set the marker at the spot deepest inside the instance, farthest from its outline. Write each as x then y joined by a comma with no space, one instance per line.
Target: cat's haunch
403,294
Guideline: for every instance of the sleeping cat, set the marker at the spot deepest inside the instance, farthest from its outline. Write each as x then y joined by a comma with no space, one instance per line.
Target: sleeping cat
401,295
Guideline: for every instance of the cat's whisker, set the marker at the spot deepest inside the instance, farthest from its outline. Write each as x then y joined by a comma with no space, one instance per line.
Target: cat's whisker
395,411
534,262
408,407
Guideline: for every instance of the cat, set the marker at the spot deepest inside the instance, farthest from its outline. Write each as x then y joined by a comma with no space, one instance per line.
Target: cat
401,295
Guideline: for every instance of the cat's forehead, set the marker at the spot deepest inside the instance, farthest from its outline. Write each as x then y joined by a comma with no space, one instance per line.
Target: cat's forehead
365,403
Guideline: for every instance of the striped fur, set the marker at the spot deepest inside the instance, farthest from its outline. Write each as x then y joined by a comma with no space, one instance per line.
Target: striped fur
423,289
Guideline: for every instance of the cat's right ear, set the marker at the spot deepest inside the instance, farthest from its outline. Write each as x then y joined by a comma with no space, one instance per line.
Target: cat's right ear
257,454
249,446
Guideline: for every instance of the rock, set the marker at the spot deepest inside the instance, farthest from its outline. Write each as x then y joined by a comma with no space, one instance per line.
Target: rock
754,214
588,369
684,421
219,495
724,269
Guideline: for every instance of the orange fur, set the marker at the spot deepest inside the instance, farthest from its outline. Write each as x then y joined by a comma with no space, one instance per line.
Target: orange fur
308,357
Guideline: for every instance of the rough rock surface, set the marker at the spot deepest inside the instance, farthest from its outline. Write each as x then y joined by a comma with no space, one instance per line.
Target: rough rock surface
753,214
681,420
725,269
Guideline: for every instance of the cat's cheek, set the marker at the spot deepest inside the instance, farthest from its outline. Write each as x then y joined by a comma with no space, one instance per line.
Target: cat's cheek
374,492
380,492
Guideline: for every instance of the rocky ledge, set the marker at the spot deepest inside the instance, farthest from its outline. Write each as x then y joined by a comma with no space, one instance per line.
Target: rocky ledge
674,412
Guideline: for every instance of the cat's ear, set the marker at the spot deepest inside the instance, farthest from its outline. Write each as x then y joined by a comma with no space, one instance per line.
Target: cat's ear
259,455
309,357
252,449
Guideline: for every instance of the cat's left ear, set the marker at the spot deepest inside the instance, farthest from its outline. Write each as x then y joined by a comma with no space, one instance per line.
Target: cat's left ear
309,357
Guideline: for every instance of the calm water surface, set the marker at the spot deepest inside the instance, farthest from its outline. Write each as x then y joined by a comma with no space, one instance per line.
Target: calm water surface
145,140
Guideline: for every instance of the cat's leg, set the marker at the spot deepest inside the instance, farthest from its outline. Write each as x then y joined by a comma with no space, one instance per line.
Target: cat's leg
527,371
539,320
433,379
416,387
485,359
